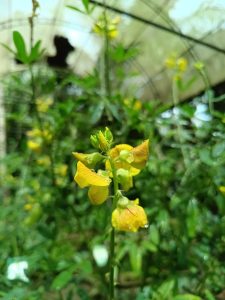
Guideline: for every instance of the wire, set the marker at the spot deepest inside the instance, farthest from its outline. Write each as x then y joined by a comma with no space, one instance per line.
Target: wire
159,26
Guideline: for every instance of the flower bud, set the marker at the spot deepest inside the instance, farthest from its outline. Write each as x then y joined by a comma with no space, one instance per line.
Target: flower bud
89,160
103,144
108,135
123,202
94,141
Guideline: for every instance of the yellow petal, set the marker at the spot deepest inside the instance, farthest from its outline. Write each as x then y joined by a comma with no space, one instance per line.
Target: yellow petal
85,177
121,163
140,154
129,219
98,194
222,189
115,152
34,146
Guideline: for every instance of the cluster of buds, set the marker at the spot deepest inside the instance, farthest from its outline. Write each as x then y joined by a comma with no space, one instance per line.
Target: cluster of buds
102,140
121,163
105,26
178,65
43,104
37,137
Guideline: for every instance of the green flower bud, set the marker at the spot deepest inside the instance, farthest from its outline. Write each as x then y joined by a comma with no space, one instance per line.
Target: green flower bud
94,141
89,160
108,135
123,202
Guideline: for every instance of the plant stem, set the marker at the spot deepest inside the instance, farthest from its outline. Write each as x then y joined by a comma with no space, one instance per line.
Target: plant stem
112,234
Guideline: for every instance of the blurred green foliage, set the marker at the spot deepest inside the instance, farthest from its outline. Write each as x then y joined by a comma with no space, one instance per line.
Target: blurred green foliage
48,221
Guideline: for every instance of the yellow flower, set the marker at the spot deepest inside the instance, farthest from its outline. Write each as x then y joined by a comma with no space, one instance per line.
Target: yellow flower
129,218
35,146
43,104
170,63
85,177
98,194
109,27
35,132
137,105
44,161
98,183
61,170
128,161
222,189
28,207
140,155
122,157
133,104
177,64
182,64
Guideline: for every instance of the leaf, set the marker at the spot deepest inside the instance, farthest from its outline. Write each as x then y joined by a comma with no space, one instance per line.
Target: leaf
218,149
187,297
86,4
193,218
135,258
113,109
96,112
35,52
205,157
166,289
8,48
20,47
62,279
74,8
154,235
209,295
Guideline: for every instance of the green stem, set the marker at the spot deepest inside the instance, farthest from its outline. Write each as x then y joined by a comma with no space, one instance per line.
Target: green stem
112,234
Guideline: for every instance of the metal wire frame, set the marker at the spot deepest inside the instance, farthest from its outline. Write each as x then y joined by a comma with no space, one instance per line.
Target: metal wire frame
159,26
137,65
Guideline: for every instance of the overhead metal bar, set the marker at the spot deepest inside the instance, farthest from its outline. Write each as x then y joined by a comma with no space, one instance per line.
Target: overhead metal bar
158,26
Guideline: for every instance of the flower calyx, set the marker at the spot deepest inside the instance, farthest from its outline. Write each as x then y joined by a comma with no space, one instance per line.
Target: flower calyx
89,160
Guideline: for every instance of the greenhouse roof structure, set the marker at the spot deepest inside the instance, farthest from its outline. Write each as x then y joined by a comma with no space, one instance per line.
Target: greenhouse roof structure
191,29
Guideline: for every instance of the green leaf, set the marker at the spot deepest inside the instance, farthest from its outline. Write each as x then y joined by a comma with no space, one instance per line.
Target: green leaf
8,48
20,47
193,218
187,297
135,258
35,52
166,289
205,157
86,4
209,295
62,279
74,8
96,112
114,110
154,234
218,149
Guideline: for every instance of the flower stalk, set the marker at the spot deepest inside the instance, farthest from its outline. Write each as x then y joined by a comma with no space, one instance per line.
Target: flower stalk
112,234
120,164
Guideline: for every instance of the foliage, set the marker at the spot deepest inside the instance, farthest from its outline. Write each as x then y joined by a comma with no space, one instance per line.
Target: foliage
47,220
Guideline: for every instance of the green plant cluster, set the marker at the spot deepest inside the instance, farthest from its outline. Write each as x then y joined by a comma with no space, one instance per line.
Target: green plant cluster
48,222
